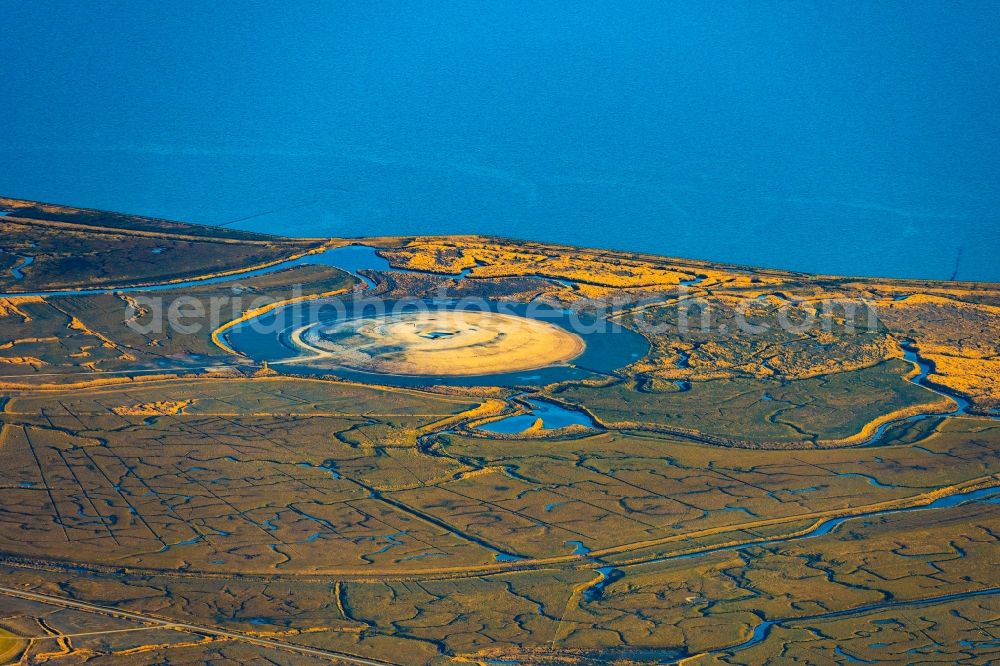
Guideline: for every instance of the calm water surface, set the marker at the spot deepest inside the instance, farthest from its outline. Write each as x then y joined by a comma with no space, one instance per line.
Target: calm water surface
852,138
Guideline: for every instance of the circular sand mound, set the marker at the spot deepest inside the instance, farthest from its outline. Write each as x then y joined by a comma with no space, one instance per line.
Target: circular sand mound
437,343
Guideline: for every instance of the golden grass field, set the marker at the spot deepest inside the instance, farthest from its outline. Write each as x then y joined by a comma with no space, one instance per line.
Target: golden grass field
164,499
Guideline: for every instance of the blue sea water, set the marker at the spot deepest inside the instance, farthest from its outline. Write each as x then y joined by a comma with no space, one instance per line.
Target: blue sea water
848,137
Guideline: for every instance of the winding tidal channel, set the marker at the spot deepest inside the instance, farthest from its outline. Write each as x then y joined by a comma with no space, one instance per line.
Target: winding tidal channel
348,258
601,352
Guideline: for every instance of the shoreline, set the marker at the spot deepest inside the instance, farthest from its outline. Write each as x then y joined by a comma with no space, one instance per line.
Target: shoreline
377,241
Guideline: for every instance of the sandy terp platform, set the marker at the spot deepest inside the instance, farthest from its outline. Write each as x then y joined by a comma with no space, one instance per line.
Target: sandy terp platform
438,343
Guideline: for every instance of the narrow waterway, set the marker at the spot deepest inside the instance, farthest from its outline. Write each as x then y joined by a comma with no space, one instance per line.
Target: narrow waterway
608,574
912,354
827,526
763,630
553,417
352,259
347,255
16,270
924,368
